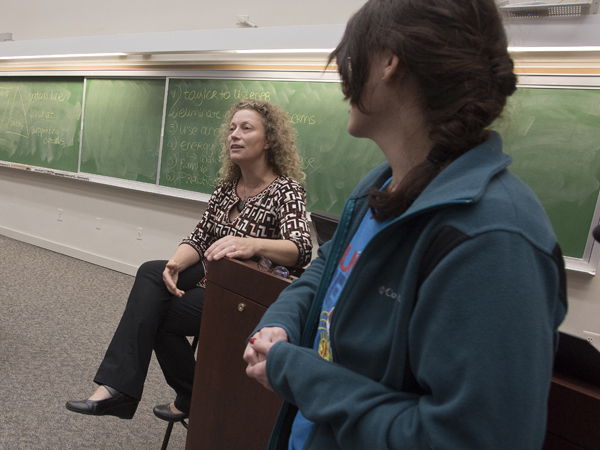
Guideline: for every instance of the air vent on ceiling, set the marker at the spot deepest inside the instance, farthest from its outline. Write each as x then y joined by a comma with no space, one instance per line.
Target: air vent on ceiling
540,9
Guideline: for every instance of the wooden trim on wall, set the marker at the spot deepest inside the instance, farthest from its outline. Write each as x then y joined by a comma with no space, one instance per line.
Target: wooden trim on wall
557,70
82,67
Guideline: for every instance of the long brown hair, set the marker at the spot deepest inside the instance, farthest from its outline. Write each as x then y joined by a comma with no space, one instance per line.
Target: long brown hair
457,50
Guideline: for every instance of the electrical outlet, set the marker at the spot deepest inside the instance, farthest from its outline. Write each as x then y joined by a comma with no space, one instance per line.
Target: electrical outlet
140,234
98,223
60,215
593,338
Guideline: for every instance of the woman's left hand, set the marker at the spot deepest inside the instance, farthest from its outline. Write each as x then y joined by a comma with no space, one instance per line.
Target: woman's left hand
231,247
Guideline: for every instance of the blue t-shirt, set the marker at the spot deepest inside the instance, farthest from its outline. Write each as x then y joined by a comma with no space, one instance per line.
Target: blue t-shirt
369,227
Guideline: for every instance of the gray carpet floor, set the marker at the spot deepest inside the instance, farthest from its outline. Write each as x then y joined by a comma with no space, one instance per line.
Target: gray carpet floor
57,316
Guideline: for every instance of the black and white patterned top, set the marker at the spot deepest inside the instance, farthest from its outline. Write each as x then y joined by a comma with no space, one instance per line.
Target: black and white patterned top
278,212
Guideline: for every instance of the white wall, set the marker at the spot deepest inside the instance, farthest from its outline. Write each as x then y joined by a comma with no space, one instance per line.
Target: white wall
35,19
29,205
584,305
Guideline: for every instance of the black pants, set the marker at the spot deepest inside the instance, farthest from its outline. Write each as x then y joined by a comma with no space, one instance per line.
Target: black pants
156,319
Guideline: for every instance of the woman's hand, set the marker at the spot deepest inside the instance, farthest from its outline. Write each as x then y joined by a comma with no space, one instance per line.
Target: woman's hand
231,247
257,350
184,257
170,277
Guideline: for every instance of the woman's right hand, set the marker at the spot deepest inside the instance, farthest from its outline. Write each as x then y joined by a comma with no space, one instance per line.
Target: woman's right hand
257,350
170,277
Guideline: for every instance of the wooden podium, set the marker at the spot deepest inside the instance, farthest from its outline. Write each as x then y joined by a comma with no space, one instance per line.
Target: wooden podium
573,415
229,410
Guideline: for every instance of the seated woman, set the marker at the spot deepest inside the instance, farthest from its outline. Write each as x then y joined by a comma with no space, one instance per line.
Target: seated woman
258,209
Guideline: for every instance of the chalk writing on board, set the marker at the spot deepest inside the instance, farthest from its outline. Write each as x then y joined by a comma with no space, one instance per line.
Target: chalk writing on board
191,128
307,162
55,96
16,117
241,94
40,122
194,117
332,160
303,118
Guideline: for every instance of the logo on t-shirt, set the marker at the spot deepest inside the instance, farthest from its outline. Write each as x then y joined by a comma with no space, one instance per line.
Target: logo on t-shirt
345,267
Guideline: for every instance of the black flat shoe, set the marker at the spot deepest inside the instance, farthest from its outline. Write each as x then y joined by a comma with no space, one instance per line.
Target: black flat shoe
164,412
121,405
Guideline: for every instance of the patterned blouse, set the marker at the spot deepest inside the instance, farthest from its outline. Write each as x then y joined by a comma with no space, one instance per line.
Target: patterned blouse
278,212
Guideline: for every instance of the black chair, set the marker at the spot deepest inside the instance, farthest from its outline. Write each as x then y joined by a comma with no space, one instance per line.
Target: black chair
182,422
325,225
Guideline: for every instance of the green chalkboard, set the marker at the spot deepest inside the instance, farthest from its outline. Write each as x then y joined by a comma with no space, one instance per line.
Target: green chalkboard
40,121
122,128
553,136
333,161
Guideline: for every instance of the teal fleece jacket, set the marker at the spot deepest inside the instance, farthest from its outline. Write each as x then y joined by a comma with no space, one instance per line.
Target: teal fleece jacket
457,359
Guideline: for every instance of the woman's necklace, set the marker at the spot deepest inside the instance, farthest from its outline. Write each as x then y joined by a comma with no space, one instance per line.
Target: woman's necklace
242,203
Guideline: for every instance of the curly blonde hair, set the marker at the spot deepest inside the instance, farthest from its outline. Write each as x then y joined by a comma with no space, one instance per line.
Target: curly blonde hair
282,154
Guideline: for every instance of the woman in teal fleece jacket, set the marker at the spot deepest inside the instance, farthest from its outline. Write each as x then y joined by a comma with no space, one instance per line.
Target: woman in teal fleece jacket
430,320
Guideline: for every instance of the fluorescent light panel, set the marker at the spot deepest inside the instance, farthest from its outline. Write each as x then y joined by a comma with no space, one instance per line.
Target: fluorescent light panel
264,51
289,50
63,56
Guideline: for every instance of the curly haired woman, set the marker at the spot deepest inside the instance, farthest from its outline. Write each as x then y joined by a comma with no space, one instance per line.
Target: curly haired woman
258,209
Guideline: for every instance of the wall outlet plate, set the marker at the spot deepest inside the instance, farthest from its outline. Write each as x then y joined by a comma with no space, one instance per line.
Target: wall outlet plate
592,338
